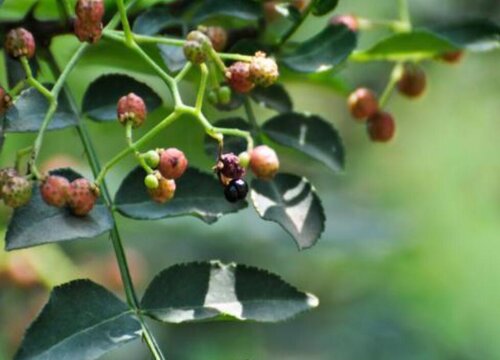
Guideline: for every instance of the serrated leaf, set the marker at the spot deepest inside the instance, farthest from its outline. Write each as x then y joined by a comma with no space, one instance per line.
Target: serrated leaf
215,291
197,194
292,202
101,97
154,20
173,57
311,135
29,109
38,223
236,9
81,321
475,35
274,97
233,144
416,45
322,7
323,52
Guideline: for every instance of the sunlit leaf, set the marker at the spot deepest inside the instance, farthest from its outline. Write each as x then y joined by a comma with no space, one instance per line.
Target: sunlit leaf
292,202
216,291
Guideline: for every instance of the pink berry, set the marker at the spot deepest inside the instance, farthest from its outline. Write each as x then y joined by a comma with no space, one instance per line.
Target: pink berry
131,108
164,192
350,21
264,162
238,77
5,100
381,127
54,190
82,195
20,42
362,103
173,163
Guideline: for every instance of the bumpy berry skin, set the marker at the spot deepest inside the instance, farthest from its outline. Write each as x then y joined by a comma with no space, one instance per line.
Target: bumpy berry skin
54,190
263,70
264,162
381,127
20,42
238,77
90,10
229,166
236,190
131,108
452,57
412,82
362,103
173,163
5,175
5,100
151,181
164,192
88,32
81,197
197,47
88,23
217,36
17,191
350,21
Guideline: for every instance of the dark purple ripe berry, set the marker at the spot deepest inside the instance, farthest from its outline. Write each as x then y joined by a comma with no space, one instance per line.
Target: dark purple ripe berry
236,190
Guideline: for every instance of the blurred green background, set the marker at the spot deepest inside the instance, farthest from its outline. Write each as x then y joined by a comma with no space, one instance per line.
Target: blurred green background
408,267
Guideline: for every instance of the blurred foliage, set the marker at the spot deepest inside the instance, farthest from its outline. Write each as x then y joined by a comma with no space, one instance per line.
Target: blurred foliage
407,267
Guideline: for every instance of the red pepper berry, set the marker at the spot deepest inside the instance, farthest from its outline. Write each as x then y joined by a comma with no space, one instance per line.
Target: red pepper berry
350,21
381,127
264,162
164,192
82,196
413,81
263,70
54,190
17,191
362,103
5,100
452,57
20,42
238,77
131,108
173,163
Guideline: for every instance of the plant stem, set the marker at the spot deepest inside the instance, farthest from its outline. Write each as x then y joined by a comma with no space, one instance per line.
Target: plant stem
19,156
130,143
393,79
183,72
201,89
404,13
129,39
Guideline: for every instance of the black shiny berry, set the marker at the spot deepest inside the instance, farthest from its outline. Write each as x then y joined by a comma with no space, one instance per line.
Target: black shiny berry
237,189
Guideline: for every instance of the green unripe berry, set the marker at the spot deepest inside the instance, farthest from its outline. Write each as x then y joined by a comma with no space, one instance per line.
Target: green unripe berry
224,95
212,97
151,181
244,159
152,158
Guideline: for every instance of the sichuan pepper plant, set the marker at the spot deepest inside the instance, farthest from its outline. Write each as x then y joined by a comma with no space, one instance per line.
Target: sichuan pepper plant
237,53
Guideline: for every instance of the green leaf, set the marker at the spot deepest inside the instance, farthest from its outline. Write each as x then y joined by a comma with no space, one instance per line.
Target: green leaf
215,291
101,97
475,35
236,9
173,57
416,45
323,7
292,202
30,108
81,321
322,52
273,97
233,144
197,194
38,223
155,20
311,135
15,71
